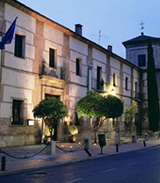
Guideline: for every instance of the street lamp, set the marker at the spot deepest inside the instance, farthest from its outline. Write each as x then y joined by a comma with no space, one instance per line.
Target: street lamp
112,92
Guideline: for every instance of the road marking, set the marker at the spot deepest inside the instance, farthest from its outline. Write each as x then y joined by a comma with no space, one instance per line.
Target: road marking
109,170
133,163
75,180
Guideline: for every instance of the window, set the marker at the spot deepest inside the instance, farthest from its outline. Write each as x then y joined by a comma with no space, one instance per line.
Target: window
99,77
78,67
114,79
19,50
136,90
141,60
89,78
126,83
52,56
17,112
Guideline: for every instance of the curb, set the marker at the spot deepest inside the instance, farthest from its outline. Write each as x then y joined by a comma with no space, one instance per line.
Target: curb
76,160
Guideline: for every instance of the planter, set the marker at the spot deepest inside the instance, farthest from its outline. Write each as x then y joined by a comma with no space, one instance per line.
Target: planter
72,138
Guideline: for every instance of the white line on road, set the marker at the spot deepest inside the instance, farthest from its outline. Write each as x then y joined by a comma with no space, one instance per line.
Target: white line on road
108,170
75,180
133,163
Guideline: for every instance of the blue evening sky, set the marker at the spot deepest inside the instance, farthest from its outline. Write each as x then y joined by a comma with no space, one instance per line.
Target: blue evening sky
118,20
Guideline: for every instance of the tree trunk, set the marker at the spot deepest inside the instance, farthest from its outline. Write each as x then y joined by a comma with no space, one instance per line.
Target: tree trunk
113,121
94,129
51,130
95,137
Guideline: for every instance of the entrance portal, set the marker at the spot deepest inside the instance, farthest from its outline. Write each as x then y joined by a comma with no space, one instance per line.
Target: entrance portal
55,126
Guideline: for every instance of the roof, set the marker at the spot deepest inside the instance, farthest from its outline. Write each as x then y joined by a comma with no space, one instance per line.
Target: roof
140,40
17,4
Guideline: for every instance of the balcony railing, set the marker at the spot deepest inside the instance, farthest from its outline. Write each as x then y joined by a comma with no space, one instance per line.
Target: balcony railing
54,72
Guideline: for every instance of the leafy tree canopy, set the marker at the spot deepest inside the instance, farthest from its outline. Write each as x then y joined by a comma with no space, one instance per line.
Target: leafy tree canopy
130,112
113,107
94,105
91,105
51,108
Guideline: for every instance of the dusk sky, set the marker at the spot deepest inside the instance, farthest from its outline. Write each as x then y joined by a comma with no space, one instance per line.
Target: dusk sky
118,20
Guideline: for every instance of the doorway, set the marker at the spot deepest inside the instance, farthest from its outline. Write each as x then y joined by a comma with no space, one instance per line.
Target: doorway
55,126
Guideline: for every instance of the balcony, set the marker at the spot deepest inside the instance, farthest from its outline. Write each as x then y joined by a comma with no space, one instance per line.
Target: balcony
59,73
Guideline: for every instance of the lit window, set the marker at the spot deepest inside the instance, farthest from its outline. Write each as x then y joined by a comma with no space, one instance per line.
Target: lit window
17,112
52,60
126,83
99,77
114,79
19,50
141,60
78,67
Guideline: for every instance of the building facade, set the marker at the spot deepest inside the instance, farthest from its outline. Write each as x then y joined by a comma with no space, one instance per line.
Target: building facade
46,59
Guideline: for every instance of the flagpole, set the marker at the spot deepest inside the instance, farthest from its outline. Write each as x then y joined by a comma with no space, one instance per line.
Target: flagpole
0,57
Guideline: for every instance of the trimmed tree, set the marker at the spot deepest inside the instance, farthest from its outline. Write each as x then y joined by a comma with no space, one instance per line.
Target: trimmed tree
51,110
153,100
129,114
113,107
94,105
91,106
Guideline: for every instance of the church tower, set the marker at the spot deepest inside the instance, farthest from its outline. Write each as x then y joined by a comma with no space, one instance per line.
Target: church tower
136,53
136,50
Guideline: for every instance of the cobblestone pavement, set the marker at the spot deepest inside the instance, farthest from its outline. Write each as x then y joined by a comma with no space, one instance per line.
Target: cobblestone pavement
65,153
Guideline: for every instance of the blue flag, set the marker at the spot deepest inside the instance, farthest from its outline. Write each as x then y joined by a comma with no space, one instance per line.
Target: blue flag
7,38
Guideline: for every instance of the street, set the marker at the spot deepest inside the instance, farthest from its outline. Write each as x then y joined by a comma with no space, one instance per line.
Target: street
133,167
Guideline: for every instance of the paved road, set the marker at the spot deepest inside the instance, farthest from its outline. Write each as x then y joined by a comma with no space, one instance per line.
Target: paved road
134,167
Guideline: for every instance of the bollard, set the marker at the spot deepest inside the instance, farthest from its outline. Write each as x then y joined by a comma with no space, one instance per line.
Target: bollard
144,143
117,139
86,146
157,135
146,136
134,138
86,143
116,147
51,148
3,163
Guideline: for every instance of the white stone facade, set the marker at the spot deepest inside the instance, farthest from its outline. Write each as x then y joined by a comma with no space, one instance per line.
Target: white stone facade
26,79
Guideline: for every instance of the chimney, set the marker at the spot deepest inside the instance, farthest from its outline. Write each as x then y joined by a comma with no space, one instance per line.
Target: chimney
110,48
78,29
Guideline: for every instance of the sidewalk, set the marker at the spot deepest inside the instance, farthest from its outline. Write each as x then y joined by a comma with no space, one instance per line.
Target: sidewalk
61,157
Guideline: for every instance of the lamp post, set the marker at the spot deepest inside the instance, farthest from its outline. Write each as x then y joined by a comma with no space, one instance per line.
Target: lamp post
112,92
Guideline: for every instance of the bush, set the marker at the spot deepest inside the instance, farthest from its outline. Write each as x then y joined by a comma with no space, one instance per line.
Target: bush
73,130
